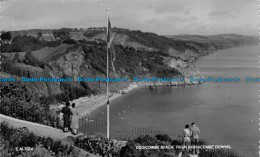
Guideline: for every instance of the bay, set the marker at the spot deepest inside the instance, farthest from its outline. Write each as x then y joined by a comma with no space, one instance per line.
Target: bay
227,113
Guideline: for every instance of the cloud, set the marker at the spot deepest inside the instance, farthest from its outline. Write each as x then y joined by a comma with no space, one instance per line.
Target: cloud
168,8
179,19
186,11
249,1
221,13
159,16
3,5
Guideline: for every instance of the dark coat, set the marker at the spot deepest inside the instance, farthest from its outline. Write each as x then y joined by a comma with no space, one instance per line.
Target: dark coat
66,116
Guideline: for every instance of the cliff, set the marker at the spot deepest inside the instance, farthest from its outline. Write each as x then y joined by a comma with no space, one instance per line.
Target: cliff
83,54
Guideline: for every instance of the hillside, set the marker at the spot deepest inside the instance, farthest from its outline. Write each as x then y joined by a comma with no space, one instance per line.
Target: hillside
187,47
220,41
72,54
82,59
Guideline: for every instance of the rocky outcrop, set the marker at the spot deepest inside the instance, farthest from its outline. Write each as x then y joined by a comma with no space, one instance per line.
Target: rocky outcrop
186,69
124,40
69,64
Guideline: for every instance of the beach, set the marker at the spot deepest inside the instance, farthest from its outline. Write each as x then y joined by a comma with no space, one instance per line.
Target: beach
86,105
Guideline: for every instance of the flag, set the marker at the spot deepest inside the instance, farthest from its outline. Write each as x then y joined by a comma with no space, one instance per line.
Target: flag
113,53
109,41
109,34
110,45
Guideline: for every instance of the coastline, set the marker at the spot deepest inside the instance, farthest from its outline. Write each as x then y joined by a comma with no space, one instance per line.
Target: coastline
86,105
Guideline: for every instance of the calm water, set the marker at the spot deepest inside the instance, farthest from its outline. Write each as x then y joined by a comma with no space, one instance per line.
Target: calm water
227,113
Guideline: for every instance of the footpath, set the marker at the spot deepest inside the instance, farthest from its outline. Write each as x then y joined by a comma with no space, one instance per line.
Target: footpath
46,131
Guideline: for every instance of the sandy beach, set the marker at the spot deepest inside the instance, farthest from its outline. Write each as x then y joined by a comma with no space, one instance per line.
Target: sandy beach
86,105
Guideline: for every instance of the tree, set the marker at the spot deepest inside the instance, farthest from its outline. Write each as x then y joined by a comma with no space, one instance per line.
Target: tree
16,57
26,43
6,36
40,34
30,59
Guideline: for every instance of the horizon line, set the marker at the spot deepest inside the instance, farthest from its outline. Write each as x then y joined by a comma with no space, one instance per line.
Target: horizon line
85,28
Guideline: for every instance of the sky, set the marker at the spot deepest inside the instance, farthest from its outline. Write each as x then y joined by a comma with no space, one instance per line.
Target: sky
164,17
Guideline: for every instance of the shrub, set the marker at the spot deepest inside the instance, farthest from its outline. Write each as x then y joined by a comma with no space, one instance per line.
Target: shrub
100,145
163,137
40,151
23,138
17,102
26,43
29,59
6,36
147,140
69,41
130,149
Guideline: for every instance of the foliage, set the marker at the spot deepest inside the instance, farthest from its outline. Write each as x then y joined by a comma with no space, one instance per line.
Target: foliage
72,91
52,43
29,59
6,36
27,43
22,138
103,146
17,57
153,40
146,140
130,150
38,151
63,33
4,145
99,145
69,41
10,68
163,137
17,102
129,62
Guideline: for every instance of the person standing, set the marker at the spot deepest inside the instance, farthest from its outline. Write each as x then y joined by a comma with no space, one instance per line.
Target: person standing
74,119
195,132
66,117
186,135
61,120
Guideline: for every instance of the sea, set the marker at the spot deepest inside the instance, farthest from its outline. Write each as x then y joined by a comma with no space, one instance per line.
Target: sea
227,113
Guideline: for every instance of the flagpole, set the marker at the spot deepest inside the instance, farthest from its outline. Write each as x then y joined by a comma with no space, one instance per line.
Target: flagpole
107,83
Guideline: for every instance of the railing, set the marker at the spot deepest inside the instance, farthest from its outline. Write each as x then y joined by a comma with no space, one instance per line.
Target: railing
30,114
91,126
119,131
